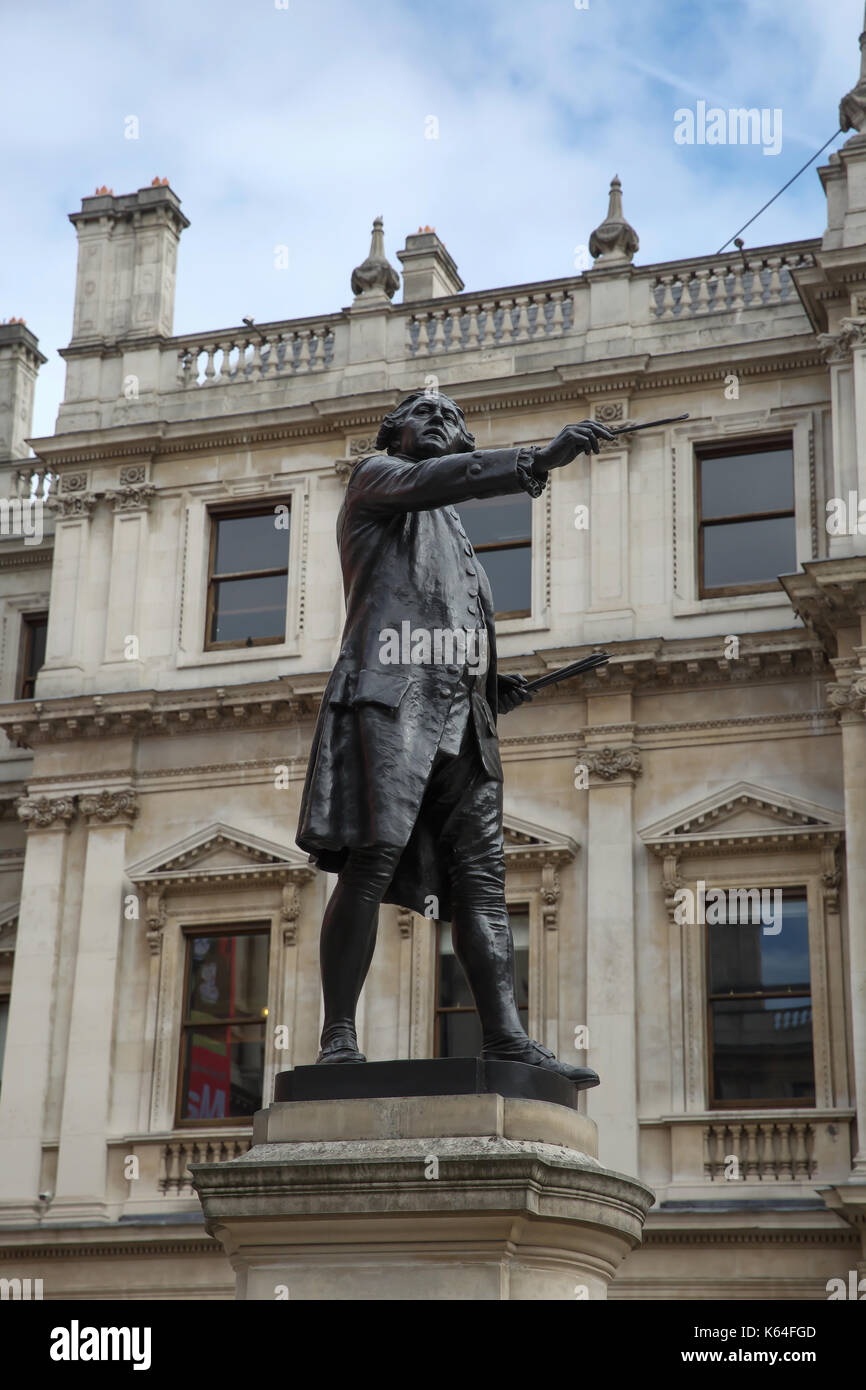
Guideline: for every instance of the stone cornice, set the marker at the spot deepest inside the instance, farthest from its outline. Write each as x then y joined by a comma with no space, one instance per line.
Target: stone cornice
139,713
641,373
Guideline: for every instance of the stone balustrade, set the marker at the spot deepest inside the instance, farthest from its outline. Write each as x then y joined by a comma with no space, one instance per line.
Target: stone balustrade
241,356
26,478
728,285
781,1150
486,322
161,1170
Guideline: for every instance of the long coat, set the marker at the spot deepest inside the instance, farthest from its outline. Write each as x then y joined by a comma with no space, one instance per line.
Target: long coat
405,558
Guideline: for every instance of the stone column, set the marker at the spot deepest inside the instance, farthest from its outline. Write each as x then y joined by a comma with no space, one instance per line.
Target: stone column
610,950
28,1041
849,697
81,1167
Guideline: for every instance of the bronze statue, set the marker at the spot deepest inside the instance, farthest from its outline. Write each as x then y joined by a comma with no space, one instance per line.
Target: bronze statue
403,796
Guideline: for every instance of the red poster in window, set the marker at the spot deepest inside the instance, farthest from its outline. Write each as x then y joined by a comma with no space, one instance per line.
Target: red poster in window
209,1073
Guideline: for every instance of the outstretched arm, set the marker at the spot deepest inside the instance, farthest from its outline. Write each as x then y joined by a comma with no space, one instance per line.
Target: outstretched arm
387,484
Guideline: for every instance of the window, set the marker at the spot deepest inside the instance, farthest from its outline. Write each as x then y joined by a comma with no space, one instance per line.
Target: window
248,578
224,1019
760,1002
500,530
34,628
746,517
458,1028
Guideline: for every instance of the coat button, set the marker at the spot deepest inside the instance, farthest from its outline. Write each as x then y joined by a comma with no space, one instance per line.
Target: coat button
470,569
444,691
468,549
453,670
471,608
475,469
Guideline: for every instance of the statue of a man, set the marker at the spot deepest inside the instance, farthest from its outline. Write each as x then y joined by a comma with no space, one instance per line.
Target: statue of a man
403,797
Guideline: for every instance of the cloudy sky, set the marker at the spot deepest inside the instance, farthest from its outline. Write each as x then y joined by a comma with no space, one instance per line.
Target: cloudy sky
294,122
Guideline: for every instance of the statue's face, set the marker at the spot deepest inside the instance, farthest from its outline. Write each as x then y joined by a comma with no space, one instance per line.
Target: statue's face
431,429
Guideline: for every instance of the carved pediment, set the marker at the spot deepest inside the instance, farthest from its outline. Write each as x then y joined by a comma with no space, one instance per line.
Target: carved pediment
528,843
221,855
743,817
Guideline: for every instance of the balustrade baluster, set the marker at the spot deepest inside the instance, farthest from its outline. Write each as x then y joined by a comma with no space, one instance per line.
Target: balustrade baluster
489,308
522,303
737,293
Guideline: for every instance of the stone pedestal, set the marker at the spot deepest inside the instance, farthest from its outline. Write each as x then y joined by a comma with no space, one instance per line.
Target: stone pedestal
422,1197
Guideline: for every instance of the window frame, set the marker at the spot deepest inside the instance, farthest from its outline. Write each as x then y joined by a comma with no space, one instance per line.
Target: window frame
522,907
759,443
232,512
188,933
25,647
506,615
763,1103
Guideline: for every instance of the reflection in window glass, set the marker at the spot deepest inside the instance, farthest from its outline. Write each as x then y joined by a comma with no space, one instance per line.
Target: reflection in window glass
747,523
225,1012
760,1002
500,529
249,578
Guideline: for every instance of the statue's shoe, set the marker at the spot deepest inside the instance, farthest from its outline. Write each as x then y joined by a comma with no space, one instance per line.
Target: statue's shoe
342,1047
337,1053
534,1055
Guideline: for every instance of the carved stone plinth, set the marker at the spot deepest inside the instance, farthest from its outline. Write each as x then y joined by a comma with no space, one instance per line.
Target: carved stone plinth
477,1197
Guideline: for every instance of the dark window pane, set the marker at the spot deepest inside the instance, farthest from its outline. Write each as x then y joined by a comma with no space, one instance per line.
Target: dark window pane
744,958
251,543
459,1035
488,520
762,1049
510,575
222,1071
38,630
748,482
227,977
748,552
250,608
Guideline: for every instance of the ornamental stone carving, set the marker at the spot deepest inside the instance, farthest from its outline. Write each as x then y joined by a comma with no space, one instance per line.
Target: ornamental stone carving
838,347
131,498
46,812
79,504
154,919
610,763
101,808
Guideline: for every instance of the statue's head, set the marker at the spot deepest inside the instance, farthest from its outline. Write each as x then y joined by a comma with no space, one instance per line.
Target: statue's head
426,424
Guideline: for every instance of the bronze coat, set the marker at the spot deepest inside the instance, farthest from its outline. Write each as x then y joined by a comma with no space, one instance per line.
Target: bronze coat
405,557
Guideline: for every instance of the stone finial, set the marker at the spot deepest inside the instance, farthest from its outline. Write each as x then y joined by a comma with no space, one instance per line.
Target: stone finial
852,107
376,275
615,239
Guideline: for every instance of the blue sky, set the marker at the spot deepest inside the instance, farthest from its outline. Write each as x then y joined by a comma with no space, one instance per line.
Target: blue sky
297,126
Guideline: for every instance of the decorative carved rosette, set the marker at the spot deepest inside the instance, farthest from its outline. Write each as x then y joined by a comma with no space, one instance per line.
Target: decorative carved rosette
46,812
101,808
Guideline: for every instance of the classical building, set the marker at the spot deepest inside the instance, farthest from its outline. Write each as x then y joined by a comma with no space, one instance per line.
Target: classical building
686,827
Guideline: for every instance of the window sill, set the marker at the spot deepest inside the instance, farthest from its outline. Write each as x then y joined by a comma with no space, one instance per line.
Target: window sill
730,603
228,655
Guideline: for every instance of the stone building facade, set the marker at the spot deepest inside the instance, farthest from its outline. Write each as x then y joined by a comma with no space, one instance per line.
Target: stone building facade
150,773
